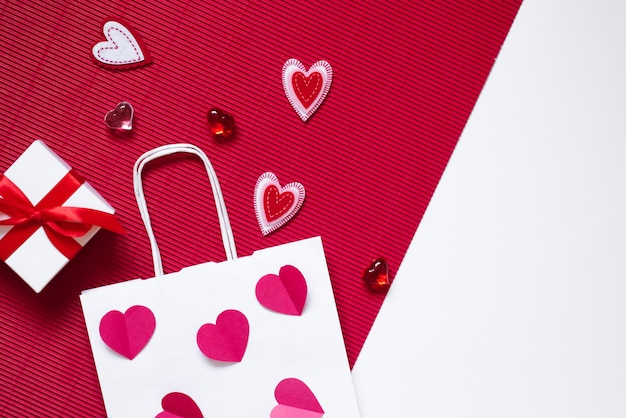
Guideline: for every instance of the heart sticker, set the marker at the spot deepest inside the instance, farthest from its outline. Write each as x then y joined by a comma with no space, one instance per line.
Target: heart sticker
179,405
306,90
128,333
295,400
227,339
275,205
123,48
283,293
120,119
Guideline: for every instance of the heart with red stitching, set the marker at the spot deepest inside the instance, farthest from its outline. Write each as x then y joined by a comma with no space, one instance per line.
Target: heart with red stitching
274,204
123,48
306,90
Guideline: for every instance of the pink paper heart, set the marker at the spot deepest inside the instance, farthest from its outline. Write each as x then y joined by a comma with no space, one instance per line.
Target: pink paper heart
179,405
128,333
295,400
227,339
284,293
282,411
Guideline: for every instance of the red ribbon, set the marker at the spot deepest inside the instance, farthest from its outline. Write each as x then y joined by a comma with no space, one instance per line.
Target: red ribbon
61,224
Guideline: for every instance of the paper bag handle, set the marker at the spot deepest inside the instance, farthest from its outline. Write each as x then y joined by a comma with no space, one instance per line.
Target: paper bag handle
227,233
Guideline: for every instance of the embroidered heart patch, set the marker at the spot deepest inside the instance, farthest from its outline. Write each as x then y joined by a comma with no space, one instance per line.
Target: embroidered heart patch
179,405
295,400
275,205
283,293
123,48
128,333
306,90
227,339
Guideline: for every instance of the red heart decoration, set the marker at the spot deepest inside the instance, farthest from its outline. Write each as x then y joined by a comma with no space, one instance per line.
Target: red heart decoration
179,405
128,333
376,276
275,205
306,90
120,118
227,339
222,124
283,293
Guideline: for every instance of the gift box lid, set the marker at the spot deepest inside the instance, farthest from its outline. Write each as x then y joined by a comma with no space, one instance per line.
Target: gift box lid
35,173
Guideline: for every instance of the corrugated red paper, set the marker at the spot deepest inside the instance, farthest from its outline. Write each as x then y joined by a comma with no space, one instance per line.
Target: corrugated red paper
406,76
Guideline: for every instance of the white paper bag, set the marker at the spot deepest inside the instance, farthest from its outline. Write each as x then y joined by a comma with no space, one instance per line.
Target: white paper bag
273,352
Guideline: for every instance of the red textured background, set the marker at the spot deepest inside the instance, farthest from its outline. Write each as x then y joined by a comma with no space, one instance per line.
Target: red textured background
406,77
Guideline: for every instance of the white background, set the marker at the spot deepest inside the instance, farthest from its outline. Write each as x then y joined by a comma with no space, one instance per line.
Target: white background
511,301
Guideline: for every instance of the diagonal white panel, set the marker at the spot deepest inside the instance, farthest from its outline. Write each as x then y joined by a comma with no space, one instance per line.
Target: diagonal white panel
511,301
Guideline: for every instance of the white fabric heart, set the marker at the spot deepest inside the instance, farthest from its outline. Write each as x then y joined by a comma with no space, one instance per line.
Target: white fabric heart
121,48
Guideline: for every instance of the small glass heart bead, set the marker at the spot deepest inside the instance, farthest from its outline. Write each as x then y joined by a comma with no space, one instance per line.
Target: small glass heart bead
120,119
376,276
222,124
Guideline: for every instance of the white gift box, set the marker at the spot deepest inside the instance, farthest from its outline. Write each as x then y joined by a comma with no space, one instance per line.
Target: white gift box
37,171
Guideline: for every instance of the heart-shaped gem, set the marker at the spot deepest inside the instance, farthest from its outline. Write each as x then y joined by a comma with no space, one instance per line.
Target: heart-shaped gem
227,339
222,124
120,119
376,276
275,205
283,293
179,405
123,48
306,90
295,400
128,333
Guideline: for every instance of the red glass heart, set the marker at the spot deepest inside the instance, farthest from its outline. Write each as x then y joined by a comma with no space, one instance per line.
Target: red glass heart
121,118
376,276
222,124
307,88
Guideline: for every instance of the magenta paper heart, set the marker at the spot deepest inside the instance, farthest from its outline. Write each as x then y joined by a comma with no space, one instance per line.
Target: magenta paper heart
128,333
227,339
295,400
283,293
179,405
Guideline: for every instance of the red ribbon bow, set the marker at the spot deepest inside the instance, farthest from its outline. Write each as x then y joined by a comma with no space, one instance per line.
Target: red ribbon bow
61,224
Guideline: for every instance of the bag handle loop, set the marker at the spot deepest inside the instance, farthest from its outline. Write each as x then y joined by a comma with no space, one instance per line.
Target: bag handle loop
227,233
